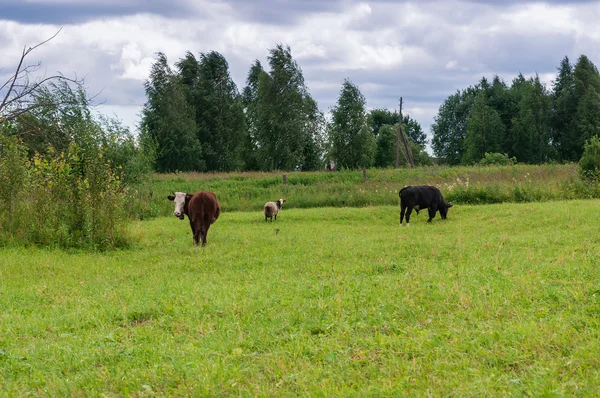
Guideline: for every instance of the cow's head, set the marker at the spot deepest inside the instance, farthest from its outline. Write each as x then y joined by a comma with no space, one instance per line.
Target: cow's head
444,210
280,203
181,200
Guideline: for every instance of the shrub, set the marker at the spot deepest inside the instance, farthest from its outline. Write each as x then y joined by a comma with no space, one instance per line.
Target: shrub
71,200
589,164
497,159
13,174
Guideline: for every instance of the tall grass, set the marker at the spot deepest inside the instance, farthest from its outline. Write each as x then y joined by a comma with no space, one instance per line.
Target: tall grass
461,185
68,200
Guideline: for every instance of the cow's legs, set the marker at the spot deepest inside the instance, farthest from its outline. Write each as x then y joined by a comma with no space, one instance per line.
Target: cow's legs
203,233
196,231
432,210
194,235
402,210
408,215
275,217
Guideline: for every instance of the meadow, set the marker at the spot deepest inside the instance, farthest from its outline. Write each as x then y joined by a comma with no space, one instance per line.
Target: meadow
499,299
462,185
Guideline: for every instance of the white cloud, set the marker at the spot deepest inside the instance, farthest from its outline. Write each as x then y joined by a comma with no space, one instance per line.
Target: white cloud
451,64
423,51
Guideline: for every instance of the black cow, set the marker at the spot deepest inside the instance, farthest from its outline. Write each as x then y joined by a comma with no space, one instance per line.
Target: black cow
422,197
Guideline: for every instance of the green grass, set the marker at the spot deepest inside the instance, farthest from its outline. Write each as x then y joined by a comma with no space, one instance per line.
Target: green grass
496,300
460,185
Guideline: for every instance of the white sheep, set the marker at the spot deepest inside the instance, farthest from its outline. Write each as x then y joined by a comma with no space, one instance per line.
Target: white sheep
272,208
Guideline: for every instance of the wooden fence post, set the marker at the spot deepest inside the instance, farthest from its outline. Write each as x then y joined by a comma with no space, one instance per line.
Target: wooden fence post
285,179
364,172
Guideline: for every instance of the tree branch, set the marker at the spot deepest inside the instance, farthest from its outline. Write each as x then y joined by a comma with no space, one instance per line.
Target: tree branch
20,88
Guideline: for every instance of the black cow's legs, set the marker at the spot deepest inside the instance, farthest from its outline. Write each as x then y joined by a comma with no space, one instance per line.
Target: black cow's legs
408,215
432,210
402,210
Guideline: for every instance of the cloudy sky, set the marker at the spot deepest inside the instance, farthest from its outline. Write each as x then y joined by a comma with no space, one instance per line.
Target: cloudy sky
420,50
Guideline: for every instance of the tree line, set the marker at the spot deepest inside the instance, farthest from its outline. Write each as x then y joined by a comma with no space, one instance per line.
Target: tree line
525,120
195,119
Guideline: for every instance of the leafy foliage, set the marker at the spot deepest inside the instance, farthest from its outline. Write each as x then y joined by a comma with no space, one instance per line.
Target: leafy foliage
218,109
385,154
524,120
485,131
353,145
450,126
497,159
589,164
285,125
65,173
168,122
530,133
384,125
72,199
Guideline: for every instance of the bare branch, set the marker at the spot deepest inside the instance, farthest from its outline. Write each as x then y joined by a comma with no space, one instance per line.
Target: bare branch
14,80
21,88
44,42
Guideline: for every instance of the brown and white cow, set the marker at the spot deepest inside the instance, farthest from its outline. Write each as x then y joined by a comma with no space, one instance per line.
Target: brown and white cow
202,209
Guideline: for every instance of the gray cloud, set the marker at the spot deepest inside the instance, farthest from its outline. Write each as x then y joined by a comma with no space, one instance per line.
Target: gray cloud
422,51
49,12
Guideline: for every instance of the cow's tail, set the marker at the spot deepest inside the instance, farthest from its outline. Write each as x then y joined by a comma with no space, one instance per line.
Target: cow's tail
202,226
217,214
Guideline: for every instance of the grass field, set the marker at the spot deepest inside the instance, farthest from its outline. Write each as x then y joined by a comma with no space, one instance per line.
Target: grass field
496,300
461,185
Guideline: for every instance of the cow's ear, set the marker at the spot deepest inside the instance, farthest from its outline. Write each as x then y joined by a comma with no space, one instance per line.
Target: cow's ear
171,197
188,196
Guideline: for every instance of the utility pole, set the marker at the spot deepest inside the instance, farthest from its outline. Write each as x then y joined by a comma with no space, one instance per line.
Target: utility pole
402,138
398,137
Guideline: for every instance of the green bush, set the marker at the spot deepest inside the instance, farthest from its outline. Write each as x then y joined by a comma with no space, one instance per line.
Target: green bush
13,176
589,164
69,200
495,159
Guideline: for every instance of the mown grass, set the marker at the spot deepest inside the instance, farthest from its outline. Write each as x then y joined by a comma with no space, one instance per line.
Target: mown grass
461,185
496,300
